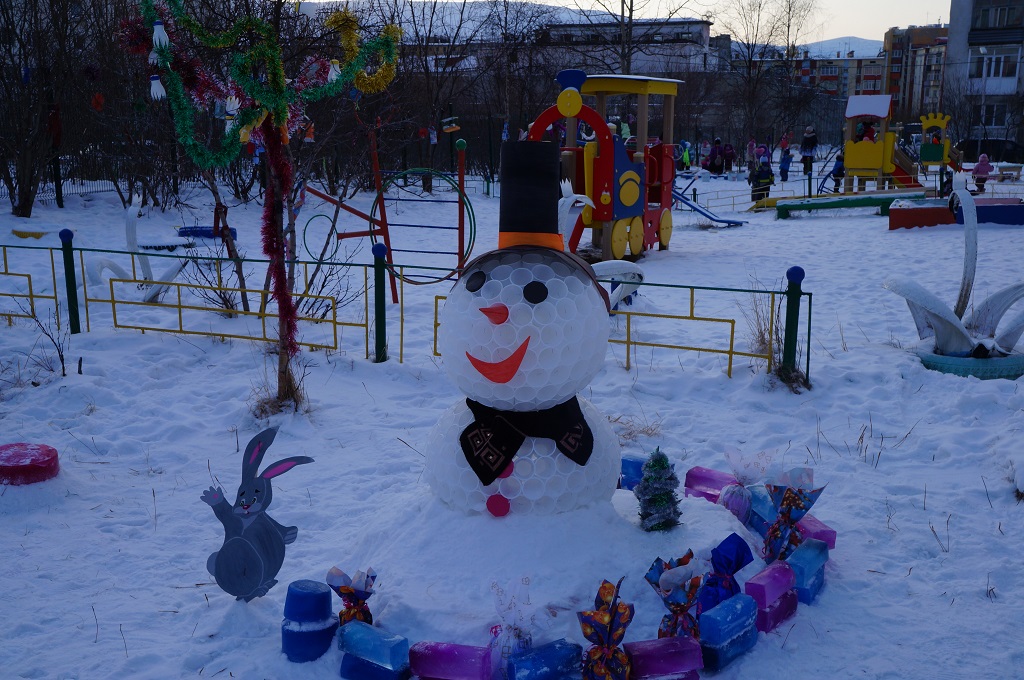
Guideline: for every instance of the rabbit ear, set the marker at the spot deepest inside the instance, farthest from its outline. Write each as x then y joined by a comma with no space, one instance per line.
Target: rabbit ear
255,451
283,466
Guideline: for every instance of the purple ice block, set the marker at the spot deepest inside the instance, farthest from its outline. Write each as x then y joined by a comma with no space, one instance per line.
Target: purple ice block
770,617
768,585
727,620
670,657
449,661
373,644
706,483
812,527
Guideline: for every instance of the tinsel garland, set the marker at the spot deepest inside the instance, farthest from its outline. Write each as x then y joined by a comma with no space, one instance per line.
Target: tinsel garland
273,236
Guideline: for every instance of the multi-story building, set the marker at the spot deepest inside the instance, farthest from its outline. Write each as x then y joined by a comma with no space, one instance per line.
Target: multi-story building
843,76
983,81
914,61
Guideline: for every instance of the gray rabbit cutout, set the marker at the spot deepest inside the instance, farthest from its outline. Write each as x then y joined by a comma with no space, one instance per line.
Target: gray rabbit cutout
246,565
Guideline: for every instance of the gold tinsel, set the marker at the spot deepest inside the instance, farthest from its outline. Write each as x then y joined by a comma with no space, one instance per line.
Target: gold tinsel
347,25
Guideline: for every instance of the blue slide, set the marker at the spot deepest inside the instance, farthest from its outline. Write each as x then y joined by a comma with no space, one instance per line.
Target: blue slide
680,195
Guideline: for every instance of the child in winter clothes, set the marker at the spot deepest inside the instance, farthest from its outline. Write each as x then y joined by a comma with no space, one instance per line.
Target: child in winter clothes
716,159
838,173
729,156
784,162
808,148
980,173
762,180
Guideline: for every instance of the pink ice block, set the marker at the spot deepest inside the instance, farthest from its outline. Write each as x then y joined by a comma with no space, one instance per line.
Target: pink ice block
812,527
670,657
706,483
448,661
767,586
770,617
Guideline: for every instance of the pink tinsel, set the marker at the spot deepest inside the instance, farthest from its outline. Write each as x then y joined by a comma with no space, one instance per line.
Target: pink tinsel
274,246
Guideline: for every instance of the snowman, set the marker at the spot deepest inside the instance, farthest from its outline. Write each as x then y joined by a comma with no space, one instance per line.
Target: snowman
522,332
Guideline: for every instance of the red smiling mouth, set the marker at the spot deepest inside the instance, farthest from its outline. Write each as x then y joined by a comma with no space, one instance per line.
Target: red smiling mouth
500,371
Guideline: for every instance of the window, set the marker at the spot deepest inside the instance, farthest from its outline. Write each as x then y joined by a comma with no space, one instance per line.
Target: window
996,17
872,70
829,71
896,68
896,54
997,62
871,85
990,115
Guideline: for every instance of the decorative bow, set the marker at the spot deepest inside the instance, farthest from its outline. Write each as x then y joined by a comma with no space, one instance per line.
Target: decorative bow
605,626
678,586
730,556
792,504
354,592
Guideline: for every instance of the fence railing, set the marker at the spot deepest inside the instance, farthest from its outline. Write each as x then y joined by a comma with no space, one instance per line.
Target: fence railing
189,306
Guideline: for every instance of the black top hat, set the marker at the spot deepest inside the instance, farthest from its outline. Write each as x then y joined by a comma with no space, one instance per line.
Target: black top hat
528,214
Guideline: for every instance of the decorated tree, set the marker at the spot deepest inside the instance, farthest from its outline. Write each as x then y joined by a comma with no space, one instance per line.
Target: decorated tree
659,505
264,105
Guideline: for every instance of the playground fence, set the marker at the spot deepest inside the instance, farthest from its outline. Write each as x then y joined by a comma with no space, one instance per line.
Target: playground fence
31,288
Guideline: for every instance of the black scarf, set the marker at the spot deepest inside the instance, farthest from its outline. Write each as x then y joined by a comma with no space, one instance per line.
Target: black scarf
492,439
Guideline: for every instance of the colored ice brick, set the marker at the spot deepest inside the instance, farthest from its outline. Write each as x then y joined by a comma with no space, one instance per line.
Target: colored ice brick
770,617
449,661
307,601
807,559
717,658
808,592
355,668
812,527
303,642
558,660
632,472
727,620
669,657
706,483
767,586
374,645
762,510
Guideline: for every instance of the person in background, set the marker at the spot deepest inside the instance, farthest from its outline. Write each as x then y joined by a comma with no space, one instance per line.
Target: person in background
869,131
838,172
729,155
716,158
784,142
751,159
981,172
762,181
808,149
785,159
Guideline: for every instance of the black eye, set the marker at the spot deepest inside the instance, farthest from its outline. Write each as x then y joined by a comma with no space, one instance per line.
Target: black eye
257,491
535,292
241,494
475,281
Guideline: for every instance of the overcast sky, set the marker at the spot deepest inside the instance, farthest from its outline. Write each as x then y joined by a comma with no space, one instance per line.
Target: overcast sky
872,18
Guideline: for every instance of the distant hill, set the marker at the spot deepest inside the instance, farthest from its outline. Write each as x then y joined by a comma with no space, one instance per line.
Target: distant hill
861,47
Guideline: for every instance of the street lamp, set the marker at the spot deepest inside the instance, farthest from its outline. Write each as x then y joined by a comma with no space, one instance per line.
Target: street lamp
982,50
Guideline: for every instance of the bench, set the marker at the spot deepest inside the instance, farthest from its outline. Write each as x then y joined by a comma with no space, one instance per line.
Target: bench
1008,173
880,201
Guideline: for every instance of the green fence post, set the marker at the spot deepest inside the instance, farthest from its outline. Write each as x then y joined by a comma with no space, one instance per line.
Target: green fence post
810,185
70,282
795,276
380,321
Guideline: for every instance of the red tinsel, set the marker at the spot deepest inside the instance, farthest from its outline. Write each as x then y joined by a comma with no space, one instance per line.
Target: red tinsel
274,246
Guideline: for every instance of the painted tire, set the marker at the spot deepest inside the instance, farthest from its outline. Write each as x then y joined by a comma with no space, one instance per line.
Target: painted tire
636,235
620,238
1010,368
665,229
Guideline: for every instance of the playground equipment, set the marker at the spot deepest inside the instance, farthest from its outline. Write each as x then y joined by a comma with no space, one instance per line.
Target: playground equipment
936,150
880,200
379,229
935,211
879,159
631,190
679,195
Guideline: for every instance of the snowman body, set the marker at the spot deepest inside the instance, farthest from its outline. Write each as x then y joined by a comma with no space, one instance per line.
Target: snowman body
522,332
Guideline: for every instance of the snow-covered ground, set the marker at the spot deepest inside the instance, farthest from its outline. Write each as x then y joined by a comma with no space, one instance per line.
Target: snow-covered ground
104,567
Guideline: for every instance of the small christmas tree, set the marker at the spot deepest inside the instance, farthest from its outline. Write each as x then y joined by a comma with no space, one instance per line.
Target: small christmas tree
659,505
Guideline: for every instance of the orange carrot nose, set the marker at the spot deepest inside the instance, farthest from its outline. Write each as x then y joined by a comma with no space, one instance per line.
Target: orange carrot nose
497,314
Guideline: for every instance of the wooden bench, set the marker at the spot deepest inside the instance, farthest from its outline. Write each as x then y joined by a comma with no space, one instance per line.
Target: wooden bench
1007,173
880,201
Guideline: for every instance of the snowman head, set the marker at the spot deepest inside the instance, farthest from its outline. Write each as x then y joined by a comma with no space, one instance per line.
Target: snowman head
524,329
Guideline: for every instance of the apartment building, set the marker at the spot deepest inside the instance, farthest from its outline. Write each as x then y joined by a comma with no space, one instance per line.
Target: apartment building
914,66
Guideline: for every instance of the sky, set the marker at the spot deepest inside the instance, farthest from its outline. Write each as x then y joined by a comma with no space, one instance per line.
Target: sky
872,18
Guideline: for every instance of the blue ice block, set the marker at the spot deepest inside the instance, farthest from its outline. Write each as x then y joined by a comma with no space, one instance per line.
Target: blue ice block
303,642
307,601
355,668
727,620
762,510
718,657
558,660
808,558
807,593
374,645
632,472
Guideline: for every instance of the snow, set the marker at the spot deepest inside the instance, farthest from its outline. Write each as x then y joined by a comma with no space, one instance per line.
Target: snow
104,567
